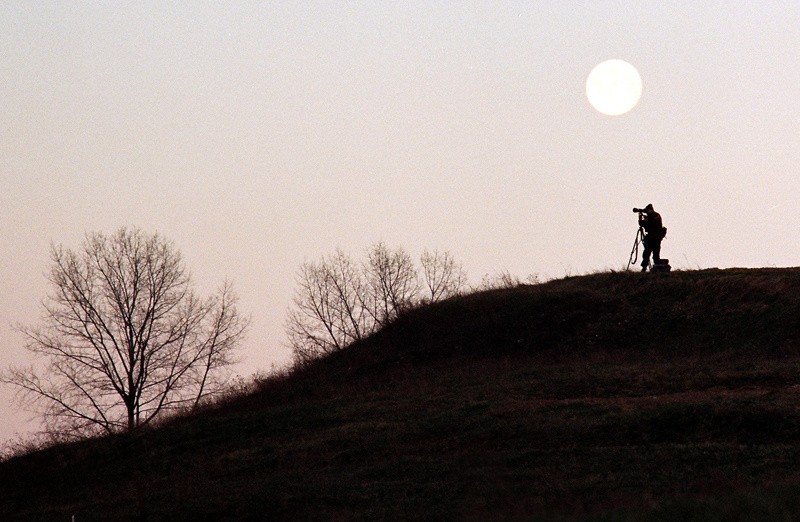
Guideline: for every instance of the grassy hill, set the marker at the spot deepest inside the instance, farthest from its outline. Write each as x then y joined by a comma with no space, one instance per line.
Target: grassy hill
611,396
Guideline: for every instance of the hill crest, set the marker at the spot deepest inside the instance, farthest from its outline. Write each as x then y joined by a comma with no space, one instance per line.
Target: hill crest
619,393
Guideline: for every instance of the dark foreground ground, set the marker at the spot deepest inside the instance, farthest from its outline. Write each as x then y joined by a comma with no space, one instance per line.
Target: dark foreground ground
608,397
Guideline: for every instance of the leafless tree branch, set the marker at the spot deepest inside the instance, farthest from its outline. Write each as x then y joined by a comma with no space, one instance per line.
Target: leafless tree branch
338,302
124,336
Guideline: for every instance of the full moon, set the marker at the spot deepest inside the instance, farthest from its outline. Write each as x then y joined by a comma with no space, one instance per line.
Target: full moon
614,87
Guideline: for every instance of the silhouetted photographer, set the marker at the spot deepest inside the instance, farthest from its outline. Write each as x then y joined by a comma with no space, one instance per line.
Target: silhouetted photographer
651,232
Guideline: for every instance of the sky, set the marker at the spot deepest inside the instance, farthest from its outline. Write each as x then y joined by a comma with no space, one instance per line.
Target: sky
261,135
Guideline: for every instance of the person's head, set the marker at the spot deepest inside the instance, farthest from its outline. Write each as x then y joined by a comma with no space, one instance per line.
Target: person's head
649,208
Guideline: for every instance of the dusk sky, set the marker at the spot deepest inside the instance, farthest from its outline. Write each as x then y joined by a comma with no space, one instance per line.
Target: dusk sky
259,135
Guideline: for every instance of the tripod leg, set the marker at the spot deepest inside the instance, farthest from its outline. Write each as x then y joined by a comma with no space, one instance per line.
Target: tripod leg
635,250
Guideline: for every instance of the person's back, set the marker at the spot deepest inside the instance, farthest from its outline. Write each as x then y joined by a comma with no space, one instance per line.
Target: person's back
650,221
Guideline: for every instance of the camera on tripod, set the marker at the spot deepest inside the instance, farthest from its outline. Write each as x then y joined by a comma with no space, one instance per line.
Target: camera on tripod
650,234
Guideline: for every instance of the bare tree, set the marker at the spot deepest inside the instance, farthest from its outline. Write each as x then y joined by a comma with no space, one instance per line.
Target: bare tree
338,301
392,283
443,276
329,310
124,338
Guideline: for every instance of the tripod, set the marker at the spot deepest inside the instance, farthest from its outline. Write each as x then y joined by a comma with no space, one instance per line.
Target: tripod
635,250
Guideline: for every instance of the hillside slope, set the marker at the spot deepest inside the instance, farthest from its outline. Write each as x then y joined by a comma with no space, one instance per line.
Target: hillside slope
620,394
